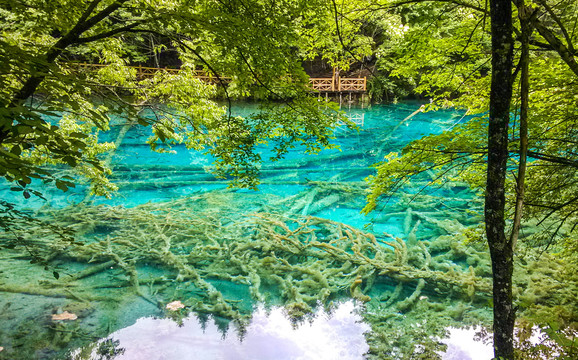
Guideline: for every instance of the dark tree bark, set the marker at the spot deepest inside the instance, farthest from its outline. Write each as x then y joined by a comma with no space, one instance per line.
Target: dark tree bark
500,246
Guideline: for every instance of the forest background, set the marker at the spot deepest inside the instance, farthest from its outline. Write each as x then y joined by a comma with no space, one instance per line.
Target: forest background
512,64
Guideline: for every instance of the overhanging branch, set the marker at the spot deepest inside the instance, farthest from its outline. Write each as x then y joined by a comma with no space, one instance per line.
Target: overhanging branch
110,33
557,45
553,159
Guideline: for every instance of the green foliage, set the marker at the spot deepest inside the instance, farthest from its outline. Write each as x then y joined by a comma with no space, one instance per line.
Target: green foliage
297,123
551,180
335,33
455,155
51,112
445,52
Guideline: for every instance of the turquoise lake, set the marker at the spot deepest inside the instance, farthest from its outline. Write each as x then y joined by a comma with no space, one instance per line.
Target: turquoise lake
253,274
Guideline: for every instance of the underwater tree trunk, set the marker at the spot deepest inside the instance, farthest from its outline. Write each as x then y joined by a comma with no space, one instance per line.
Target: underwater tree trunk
500,246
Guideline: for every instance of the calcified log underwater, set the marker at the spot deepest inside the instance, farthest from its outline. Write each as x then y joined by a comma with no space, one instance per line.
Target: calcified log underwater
221,251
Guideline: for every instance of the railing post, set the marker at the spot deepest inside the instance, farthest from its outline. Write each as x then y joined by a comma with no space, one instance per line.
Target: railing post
333,80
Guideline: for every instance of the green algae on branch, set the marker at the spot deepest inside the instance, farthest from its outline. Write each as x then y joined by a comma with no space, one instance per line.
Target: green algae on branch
162,233
187,238
189,248
220,254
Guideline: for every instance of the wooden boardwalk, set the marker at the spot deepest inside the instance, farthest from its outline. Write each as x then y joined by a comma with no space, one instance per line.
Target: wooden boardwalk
322,85
144,72
339,84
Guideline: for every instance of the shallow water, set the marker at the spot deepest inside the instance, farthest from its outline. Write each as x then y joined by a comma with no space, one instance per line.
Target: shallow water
270,335
175,202
338,335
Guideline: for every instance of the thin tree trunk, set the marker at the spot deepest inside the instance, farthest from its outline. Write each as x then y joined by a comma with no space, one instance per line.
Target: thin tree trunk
500,246
524,14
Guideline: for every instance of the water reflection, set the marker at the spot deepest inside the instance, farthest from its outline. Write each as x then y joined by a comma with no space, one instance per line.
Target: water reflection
464,345
270,335
171,198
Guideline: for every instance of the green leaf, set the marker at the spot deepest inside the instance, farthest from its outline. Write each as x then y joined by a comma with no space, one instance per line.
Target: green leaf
70,161
79,135
143,122
24,130
61,185
41,140
38,193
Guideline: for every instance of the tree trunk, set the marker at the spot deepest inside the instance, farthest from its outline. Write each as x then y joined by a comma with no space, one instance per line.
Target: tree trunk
500,246
524,14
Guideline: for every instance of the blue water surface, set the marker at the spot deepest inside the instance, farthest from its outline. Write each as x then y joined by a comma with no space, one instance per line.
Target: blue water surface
144,176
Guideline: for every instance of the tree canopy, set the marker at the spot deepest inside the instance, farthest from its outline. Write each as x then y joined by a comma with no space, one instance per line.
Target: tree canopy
511,66
52,112
457,58
479,58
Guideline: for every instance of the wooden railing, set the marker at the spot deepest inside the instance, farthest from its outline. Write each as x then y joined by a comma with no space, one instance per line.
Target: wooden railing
322,84
339,84
352,84
144,72
333,84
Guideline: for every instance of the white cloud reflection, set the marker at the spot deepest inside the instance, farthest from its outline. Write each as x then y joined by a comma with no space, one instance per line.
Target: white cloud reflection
270,336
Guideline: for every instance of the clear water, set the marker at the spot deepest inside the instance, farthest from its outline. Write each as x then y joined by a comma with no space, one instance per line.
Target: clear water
137,169
178,188
270,335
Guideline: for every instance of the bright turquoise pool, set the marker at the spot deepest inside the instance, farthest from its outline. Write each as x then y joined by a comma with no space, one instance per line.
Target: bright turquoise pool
175,233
